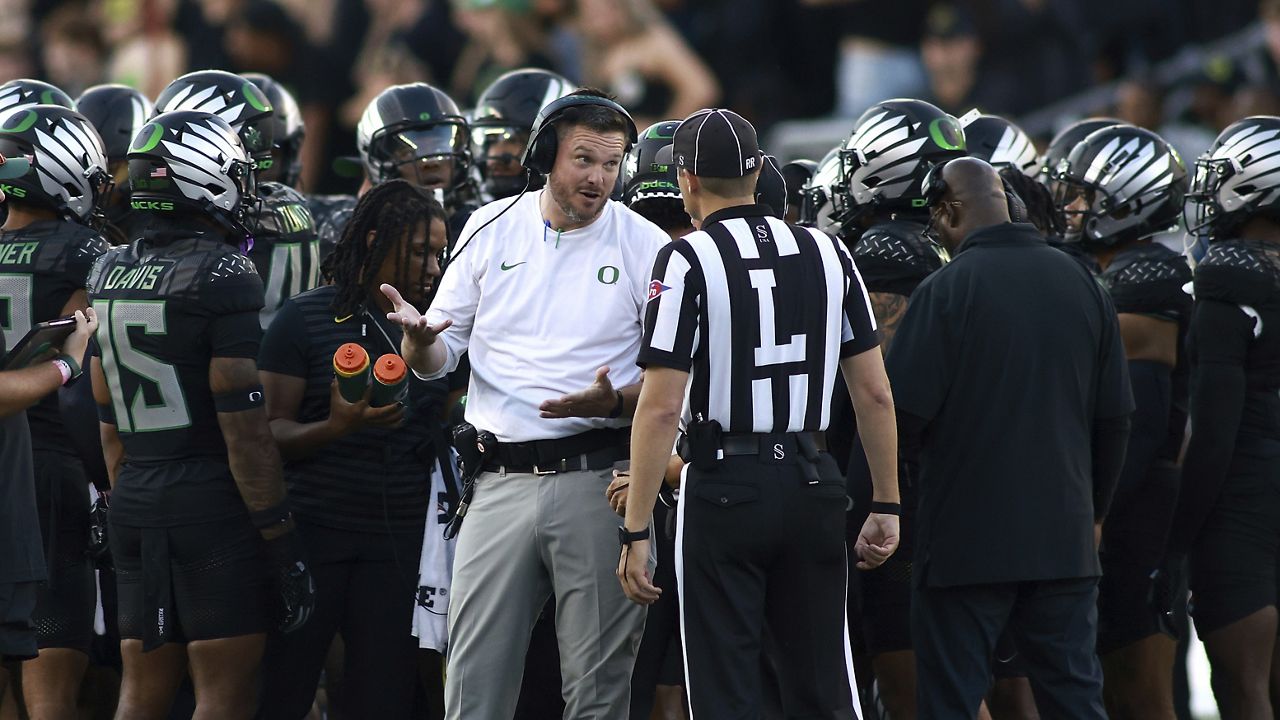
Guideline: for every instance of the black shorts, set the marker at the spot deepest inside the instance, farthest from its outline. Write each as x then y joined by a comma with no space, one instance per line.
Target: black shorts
17,635
1233,563
1135,593
66,601
192,582
1007,663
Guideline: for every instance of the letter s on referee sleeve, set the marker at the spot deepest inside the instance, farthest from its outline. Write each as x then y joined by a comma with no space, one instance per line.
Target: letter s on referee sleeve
672,310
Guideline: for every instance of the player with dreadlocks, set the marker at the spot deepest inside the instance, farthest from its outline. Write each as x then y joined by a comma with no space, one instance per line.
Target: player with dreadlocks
355,472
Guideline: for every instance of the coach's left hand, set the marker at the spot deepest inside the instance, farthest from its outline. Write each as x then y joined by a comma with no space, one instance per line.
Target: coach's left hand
633,573
596,400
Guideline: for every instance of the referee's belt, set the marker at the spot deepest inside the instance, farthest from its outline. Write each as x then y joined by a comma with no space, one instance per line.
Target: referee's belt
591,450
805,443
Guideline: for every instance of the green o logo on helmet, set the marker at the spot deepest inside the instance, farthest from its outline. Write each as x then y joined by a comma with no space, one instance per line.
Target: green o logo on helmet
655,133
424,117
947,133
255,97
19,122
151,141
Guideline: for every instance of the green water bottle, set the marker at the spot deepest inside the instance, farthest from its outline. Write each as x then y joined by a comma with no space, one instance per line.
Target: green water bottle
390,381
351,367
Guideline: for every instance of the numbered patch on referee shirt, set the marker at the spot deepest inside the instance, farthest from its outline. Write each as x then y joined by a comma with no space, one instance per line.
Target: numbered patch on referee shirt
656,288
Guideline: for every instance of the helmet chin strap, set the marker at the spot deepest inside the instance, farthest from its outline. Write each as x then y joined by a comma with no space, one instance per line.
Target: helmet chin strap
232,226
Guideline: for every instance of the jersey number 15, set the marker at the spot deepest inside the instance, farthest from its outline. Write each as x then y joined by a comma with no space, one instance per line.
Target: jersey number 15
131,373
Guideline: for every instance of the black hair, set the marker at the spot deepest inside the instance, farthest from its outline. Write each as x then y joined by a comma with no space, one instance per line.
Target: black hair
1041,210
596,118
391,210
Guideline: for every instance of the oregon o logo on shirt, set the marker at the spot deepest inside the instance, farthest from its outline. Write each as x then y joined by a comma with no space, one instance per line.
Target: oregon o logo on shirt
608,275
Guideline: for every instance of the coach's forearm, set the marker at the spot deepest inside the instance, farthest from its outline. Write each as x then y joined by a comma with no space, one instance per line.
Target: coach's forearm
424,359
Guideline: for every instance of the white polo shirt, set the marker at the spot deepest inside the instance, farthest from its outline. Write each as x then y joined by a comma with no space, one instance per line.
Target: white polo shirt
539,311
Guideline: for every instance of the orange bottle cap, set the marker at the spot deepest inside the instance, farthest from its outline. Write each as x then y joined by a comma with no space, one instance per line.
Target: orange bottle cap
390,369
350,359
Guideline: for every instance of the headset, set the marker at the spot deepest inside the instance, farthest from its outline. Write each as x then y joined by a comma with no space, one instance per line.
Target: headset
540,152
935,186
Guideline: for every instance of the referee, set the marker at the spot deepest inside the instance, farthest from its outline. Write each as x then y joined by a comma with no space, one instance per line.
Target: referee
757,314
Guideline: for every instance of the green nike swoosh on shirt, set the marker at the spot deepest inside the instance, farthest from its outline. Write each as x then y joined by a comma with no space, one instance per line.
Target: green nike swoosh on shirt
505,266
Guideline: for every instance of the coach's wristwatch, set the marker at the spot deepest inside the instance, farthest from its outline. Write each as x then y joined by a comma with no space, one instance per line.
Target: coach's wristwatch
626,537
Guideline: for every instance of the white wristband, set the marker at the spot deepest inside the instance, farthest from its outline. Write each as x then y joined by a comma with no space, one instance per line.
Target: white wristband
63,368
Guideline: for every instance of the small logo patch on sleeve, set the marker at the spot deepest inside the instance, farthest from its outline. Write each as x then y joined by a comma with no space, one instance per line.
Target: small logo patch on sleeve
656,288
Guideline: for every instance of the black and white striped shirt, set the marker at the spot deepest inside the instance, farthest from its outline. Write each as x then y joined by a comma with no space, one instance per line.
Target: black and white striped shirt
759,312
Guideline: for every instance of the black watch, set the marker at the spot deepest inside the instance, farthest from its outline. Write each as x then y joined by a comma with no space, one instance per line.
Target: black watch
626,537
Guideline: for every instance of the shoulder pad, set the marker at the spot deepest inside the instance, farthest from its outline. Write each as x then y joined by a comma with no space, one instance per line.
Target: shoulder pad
284,213
63,244
1239,271
893,257
1148,279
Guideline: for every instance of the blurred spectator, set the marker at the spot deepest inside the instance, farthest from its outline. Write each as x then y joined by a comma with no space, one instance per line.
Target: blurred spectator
951,53
633,52
503,36
72,48
203,23
1034,52
1140,100
879,56
149,53
265,37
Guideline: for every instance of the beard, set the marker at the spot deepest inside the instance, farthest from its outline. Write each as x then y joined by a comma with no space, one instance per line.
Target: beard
564,195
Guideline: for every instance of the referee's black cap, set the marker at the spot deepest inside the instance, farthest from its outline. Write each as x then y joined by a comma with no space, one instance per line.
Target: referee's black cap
714,143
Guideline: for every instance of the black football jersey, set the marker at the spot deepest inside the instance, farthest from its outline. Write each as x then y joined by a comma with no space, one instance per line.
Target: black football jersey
164,310
1246,274
895,257
41,266
286,247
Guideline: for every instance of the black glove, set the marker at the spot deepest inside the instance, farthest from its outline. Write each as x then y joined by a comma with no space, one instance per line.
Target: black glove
99,547
293,582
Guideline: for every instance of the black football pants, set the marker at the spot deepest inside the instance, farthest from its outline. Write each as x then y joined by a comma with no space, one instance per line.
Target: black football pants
759,543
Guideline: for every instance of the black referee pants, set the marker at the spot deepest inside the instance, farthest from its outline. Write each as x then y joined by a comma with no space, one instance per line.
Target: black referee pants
759,544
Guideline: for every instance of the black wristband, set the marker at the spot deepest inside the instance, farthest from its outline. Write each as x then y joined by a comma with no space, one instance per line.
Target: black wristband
885,508
617,409
626,537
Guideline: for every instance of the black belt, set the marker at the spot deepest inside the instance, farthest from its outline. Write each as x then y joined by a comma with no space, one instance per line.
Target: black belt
755,443
591,450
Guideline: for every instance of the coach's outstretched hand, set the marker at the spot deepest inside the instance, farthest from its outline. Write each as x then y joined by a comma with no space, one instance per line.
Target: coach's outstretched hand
419,335
598,399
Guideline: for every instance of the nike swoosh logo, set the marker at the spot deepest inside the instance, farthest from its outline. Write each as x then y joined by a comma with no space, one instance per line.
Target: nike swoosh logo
505,266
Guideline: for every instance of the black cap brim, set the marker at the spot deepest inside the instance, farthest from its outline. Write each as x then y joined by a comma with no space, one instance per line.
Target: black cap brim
14,167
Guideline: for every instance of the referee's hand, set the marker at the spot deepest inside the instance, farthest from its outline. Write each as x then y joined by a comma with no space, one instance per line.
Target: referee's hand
877,541
633,573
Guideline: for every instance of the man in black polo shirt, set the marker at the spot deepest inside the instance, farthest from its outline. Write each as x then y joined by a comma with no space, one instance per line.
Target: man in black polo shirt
753,316
1010,380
